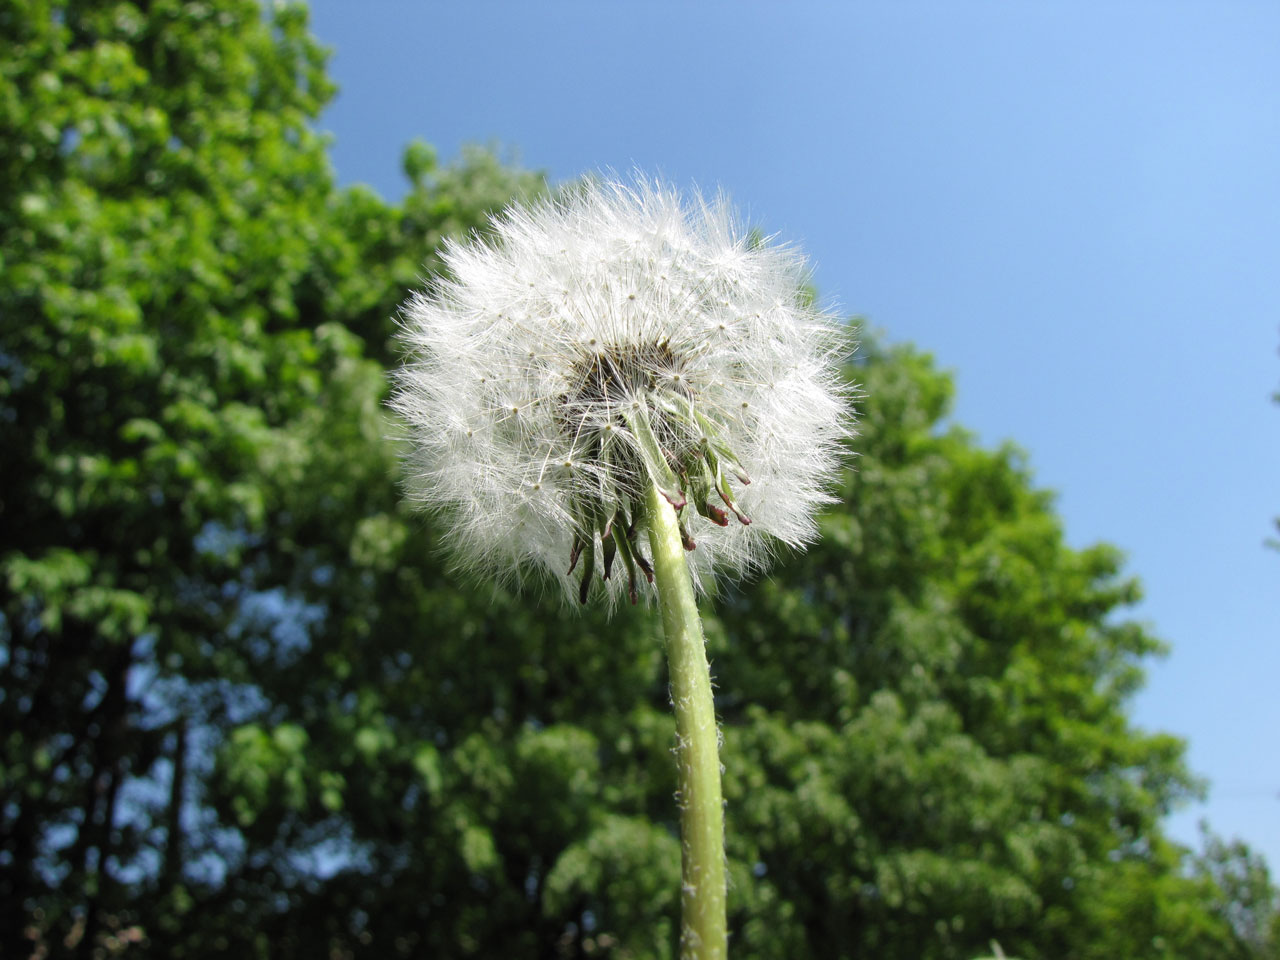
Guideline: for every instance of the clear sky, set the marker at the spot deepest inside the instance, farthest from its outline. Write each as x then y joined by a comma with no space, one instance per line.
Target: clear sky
1074,206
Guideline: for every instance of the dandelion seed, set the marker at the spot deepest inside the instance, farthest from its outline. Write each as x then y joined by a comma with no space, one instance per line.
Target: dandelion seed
627,382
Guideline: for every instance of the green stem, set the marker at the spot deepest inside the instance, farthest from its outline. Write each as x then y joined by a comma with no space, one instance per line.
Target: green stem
703,934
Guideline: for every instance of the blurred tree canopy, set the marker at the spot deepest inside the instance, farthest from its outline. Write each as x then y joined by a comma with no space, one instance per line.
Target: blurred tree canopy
245,710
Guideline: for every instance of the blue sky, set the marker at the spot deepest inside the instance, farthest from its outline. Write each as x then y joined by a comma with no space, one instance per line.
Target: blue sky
1074,206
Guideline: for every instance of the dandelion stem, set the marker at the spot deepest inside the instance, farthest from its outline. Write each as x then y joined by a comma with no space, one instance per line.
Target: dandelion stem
703,934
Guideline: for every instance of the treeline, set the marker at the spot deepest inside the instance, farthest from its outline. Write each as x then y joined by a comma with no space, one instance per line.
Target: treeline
246,711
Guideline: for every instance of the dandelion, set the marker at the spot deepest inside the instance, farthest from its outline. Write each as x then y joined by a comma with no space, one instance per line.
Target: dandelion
620,366
600,345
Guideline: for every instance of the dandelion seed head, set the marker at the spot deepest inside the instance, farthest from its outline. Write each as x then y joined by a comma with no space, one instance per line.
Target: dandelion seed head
618,338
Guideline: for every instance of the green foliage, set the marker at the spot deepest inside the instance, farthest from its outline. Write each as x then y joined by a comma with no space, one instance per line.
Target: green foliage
192,435
245,710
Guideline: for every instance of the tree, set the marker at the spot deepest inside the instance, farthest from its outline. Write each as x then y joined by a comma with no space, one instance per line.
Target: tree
246,709
175,387
940,706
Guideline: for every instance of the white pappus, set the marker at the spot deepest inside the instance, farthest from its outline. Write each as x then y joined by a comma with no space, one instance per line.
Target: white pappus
611,339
